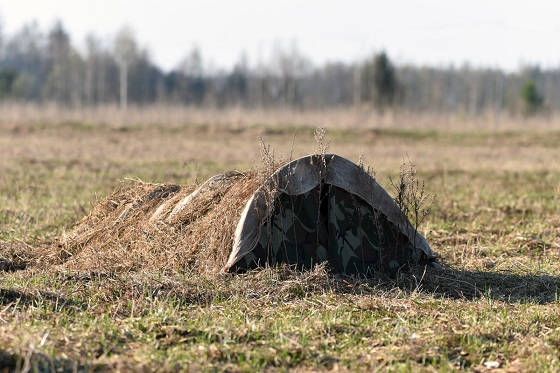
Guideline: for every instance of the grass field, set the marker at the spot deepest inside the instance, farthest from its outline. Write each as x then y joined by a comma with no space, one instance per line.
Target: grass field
495,224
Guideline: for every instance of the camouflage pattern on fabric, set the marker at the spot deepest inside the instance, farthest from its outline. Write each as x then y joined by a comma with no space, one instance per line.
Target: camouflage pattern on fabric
296,233
362,240
330,224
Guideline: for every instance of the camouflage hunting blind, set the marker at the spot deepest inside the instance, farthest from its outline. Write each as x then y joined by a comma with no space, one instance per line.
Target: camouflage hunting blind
325,208
319,208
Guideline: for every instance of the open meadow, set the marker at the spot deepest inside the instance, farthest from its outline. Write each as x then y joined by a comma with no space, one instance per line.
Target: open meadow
495,224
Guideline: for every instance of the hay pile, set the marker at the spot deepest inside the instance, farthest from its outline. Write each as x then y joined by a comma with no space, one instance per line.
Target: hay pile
162,227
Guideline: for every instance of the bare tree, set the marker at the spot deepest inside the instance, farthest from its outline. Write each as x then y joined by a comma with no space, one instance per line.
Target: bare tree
92,50
1,37
59,50
290,65
125,52
192,65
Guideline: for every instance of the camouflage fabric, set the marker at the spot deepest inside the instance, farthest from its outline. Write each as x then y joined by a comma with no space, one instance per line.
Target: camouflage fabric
330,224
362,240
296,233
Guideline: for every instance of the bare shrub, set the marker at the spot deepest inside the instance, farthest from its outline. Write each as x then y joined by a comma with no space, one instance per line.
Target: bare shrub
410,194
322,144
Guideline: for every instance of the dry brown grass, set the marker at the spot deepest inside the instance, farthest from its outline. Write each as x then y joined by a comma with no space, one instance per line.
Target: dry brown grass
19,116
495,223
205,147
122,232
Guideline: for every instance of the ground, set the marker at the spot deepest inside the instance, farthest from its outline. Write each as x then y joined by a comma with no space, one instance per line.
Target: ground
495,224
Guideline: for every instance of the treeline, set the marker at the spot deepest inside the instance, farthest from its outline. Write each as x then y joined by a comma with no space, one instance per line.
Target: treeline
47,67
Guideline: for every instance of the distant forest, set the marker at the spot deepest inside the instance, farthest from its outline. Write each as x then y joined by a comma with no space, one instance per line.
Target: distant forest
44,67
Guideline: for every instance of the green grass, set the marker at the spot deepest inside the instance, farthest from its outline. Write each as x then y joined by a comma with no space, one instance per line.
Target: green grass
497,231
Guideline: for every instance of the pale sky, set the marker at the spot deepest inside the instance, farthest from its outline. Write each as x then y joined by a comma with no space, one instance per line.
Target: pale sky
491,33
